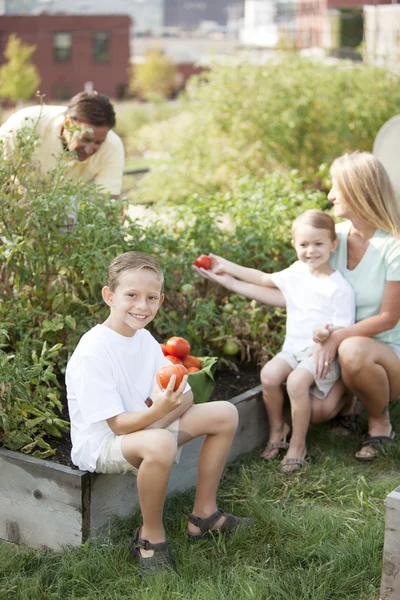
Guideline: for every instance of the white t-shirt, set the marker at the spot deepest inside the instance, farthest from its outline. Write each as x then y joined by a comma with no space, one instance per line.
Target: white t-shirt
108,374
104,167
313,302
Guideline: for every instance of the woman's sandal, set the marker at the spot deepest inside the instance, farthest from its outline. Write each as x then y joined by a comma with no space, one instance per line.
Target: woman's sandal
375,443
291,465
230,524
279,446
161,559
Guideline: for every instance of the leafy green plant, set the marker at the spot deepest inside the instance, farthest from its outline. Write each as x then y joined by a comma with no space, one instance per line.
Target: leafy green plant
290,113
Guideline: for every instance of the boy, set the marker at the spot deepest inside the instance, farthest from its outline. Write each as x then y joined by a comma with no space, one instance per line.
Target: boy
123,422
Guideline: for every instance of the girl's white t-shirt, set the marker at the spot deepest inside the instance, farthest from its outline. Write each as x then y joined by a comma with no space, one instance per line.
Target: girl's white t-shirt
313,302
108,374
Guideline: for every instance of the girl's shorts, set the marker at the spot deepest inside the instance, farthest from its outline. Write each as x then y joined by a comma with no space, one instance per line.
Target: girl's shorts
111,460
321,387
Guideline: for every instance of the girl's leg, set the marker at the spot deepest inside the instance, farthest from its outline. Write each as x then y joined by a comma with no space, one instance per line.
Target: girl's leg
218,421
370,369
152,452
298,388
273,374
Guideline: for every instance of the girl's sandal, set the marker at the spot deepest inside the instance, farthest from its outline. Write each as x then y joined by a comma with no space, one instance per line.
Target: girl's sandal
161,559
291,465
230,524
273,450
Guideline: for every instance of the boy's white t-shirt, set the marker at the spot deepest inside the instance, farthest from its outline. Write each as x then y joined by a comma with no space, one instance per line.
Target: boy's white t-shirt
108,374
313,302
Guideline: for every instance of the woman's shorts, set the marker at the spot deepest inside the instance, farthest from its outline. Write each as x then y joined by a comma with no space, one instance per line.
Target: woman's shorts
321,387
111,460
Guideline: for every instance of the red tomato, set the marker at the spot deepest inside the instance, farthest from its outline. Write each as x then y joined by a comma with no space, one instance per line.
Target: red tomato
193,370
178,346
174,359
191,361
203,262
164,350
165,373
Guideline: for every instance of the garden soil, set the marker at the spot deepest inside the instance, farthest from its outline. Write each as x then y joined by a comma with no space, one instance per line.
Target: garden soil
228,384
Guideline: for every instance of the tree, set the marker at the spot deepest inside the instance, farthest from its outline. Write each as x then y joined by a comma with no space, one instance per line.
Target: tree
156,75
19,78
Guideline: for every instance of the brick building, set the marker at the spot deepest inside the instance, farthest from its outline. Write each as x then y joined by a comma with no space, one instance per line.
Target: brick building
72,50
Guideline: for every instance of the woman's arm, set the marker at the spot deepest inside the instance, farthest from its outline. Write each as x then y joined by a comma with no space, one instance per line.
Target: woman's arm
385,320
266,295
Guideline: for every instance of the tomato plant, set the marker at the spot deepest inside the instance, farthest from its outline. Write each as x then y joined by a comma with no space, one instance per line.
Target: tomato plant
203,262
165,373
178,346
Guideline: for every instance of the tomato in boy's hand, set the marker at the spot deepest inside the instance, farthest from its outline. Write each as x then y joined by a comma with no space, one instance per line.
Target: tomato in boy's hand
165,373
203,262
178,346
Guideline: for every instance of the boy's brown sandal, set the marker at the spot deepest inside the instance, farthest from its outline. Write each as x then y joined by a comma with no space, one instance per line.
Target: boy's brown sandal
231,523
161,559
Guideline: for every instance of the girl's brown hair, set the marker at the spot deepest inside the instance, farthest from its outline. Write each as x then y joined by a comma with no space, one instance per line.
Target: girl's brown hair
318,219
132,260
367,190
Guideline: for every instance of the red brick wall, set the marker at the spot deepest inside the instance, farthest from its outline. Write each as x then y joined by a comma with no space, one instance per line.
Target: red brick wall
108,78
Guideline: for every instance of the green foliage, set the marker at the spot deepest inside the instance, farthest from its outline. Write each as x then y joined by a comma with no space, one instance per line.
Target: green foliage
155,76
19,78
290,113
58,238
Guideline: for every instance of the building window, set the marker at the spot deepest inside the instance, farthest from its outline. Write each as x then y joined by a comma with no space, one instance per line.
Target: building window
101,46
62,91
62,46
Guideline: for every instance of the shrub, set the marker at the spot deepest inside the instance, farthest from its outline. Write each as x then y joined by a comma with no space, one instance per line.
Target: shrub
248,119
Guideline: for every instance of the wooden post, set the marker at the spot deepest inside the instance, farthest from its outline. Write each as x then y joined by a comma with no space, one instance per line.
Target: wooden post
390,586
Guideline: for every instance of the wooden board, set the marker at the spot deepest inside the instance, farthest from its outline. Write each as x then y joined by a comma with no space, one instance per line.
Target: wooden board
390,586
42,504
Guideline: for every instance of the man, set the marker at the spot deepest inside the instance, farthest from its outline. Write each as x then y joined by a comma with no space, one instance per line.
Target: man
94,153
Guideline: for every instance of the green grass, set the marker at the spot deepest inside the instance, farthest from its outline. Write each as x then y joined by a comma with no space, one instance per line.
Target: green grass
319,536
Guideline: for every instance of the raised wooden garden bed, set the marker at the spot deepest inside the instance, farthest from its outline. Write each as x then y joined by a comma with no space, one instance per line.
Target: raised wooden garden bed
390,587
47,505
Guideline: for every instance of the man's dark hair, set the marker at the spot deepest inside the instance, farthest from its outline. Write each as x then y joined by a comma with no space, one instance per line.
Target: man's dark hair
92,108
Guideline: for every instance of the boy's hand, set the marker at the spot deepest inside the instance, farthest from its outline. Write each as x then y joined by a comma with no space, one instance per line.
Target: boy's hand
321,334
167,400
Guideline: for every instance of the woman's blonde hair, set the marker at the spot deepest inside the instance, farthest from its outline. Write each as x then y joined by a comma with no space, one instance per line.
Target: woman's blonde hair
318,219
367,190
132,260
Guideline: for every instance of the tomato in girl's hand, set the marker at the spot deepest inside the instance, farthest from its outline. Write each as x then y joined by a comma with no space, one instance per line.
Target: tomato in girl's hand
165,373
178,346
203,262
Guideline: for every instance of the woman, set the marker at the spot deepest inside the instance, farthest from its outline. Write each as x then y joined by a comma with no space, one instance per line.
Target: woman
368,256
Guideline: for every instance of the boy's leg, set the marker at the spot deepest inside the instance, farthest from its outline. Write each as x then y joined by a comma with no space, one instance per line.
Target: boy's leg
152,452
218,421
298,388
273,374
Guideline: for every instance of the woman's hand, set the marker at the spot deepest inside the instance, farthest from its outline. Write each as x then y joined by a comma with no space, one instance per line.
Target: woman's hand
321,334
324,354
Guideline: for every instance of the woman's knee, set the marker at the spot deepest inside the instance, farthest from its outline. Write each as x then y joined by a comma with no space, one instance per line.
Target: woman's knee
353,354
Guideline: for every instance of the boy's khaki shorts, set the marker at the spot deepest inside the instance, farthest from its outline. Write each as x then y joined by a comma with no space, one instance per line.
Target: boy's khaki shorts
302,359
111,460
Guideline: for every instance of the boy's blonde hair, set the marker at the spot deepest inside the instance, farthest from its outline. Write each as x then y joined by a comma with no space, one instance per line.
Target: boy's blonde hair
367,190
318,219
132,260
